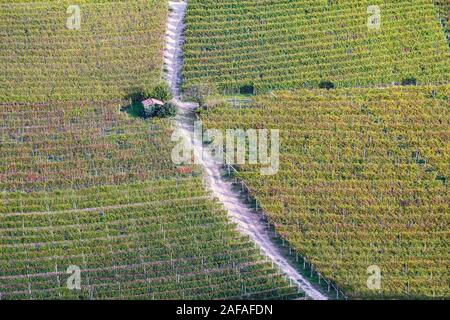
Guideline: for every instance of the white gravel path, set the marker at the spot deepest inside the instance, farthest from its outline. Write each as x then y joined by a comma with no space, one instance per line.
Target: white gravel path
249,221
173,52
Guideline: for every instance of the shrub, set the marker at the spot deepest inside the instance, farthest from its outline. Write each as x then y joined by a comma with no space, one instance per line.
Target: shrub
149,112
247,89
326,85
166,111
161,92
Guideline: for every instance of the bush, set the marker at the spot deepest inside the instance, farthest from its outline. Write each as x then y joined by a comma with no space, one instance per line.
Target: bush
149,112
161,92
166,111
247,89
326,85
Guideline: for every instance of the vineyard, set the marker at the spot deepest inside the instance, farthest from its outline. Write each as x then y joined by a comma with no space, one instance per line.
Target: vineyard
116,51
235,45
363,181
79,145
85,185
88,183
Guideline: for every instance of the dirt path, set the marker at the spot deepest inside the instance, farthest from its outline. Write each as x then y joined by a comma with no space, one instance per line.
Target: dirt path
173,52
249,221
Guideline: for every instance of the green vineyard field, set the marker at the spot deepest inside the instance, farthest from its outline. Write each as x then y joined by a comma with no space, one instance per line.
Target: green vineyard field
363,181
286,44
82,184
117,50
88,183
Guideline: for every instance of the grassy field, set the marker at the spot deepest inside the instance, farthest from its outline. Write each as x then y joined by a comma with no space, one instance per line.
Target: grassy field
363,181
285,44
117,50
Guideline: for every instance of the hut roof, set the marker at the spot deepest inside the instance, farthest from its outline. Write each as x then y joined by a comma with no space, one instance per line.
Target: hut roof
152,102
